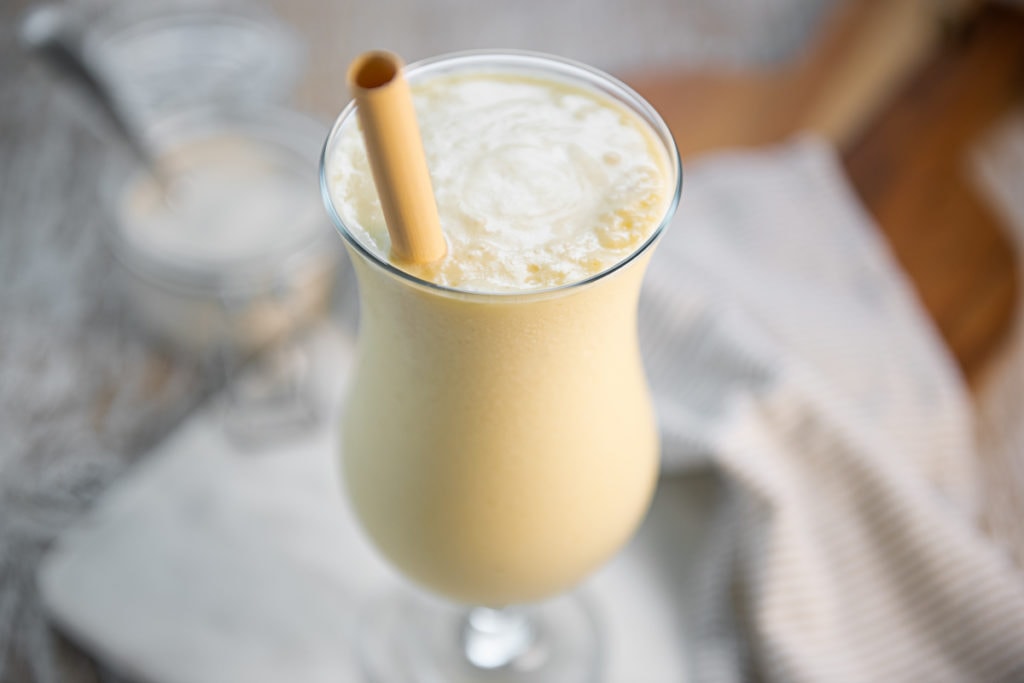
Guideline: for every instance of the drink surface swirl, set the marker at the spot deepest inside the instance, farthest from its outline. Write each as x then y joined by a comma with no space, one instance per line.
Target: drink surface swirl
538,183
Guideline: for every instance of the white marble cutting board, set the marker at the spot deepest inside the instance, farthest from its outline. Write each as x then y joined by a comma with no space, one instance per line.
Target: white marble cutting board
211,563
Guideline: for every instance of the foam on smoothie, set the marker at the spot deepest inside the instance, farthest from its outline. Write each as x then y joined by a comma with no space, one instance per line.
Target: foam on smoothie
538,183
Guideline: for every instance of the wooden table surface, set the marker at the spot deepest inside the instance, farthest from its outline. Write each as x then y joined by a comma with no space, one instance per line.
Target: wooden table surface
80,391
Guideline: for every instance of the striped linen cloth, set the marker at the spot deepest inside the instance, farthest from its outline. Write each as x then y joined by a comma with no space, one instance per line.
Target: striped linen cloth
787,351
998,165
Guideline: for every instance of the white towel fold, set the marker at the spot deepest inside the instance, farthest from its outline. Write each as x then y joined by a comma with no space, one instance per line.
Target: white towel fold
786,350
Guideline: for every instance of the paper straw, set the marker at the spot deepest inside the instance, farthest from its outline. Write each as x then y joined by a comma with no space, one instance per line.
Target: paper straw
395,151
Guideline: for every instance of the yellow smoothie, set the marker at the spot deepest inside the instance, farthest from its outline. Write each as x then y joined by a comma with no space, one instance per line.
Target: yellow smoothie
499,441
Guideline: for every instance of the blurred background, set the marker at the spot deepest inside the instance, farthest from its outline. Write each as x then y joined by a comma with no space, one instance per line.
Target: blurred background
906,89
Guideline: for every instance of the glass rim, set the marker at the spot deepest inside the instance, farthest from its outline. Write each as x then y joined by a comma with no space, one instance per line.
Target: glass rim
586,75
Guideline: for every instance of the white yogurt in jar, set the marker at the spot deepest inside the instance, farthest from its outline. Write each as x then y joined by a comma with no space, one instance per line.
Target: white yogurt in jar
228,200
233,248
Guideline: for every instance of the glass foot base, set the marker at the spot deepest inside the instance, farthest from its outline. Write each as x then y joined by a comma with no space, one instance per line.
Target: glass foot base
406,638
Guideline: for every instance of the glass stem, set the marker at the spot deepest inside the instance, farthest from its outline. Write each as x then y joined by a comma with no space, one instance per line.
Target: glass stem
499,638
